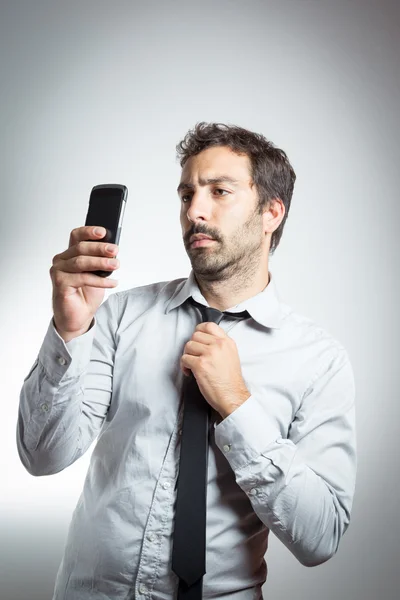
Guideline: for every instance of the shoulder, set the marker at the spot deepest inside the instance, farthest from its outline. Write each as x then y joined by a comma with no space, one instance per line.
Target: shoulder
315,341
316,355
147,295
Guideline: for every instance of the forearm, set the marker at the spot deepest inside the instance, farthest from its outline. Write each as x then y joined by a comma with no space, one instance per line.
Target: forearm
49,436
300,507
57,418
307,507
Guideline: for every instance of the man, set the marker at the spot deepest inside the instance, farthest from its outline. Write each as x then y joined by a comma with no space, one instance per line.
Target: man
282,451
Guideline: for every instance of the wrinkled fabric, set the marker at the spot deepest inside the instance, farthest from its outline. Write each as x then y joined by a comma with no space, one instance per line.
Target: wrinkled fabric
284,461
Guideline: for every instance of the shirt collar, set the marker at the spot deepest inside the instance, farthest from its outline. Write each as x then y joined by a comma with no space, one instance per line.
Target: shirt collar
265,307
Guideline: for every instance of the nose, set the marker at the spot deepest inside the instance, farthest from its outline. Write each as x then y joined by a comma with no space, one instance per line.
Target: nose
199,207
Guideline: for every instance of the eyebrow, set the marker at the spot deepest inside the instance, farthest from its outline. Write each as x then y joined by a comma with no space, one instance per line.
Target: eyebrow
210,180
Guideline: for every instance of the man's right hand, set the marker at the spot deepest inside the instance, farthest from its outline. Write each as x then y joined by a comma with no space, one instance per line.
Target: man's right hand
77,293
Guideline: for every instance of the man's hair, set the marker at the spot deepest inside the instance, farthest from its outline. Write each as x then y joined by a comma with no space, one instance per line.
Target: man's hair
271,172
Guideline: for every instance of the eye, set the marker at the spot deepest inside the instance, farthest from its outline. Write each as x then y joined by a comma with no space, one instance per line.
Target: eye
215,190
220,190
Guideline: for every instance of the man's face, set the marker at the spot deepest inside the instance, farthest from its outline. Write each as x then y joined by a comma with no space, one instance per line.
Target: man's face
224,210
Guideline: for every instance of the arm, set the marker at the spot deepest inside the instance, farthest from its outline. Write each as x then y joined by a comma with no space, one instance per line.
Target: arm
65,397
301,487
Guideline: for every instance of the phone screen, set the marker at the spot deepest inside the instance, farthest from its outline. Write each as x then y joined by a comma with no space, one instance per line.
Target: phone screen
106,209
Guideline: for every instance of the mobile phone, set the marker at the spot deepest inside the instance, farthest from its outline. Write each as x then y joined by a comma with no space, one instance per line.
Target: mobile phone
107,204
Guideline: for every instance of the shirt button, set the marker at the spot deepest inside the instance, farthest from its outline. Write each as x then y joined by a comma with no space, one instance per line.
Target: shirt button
44,407
166,485
152,537
253,492
61,360
142,588
227,447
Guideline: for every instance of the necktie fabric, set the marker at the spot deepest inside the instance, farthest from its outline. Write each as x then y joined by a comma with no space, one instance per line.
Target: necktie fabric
189,537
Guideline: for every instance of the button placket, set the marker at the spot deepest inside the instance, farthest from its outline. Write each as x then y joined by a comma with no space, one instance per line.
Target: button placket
154,534
142,589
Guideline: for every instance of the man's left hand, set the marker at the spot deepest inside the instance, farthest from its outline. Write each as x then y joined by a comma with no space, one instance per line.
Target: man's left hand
213,358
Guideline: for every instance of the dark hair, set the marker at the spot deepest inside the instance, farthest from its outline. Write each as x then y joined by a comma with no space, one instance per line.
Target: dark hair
271,171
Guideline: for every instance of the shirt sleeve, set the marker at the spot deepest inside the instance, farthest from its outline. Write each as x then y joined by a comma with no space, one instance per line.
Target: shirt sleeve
302,486
66,395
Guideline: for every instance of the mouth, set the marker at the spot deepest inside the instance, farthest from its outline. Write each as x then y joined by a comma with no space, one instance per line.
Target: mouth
202,242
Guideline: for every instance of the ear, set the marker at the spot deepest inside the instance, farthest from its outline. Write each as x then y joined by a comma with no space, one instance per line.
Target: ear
273,215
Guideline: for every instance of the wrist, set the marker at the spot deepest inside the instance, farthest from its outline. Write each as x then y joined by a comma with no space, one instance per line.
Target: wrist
230,407
67,336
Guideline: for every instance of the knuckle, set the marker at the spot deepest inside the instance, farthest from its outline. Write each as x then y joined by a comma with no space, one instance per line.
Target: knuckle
79,261
73,235
57,277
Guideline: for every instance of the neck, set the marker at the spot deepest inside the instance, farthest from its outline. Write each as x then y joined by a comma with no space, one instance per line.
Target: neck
227,293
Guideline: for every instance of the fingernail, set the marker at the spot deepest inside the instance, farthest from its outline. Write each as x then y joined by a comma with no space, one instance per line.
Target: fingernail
99,231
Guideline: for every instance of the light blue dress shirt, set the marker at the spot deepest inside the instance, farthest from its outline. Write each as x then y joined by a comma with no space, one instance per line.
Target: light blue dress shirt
284,461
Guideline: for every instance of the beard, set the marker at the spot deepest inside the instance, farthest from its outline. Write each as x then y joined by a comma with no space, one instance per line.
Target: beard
236,257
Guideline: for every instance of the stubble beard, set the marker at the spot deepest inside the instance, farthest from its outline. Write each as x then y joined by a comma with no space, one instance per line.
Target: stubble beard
235,260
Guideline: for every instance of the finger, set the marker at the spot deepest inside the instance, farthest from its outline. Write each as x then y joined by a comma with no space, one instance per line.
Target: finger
185,370
203,338
212,328
193,348
187,362
84,264
87,232
79,280
88,249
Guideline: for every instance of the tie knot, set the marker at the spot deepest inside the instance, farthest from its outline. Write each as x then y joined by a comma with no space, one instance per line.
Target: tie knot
214,315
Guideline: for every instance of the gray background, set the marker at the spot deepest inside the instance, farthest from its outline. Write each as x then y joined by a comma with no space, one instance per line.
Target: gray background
95,92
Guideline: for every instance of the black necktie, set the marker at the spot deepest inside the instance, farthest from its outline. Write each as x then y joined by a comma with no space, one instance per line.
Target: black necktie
189,537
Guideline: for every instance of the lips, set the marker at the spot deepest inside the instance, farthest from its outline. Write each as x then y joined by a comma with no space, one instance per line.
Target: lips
198,237
201,243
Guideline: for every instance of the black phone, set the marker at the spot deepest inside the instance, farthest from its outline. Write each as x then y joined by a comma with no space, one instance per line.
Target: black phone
107,204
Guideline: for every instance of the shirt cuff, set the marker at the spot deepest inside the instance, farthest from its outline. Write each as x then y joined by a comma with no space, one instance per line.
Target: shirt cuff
246,433
60,358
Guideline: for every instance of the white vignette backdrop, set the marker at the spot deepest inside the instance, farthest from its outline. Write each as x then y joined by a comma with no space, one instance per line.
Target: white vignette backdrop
95,92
